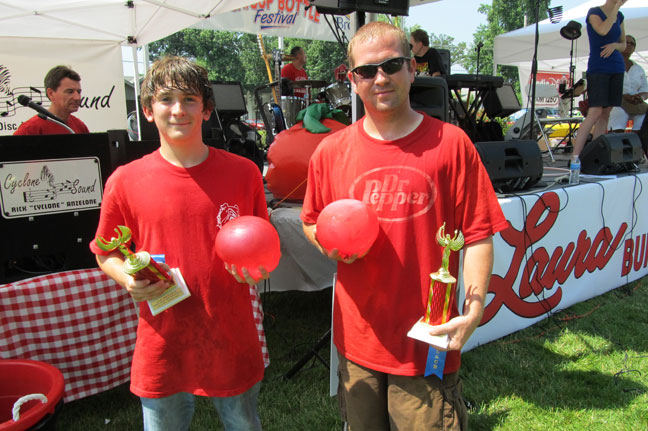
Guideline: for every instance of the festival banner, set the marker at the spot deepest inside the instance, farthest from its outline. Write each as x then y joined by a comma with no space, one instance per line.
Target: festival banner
287,18
26,61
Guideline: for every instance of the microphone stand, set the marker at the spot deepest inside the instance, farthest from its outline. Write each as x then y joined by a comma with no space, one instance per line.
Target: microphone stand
60,123
479,47
572,68
534,71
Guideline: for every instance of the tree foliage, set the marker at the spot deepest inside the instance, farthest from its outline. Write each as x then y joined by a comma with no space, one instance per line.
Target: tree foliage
233,56
502,16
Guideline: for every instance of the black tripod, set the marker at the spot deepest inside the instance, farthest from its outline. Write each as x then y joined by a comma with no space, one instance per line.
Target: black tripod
571,32
313,352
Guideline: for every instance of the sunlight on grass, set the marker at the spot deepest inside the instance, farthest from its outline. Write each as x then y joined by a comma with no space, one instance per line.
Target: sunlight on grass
583,369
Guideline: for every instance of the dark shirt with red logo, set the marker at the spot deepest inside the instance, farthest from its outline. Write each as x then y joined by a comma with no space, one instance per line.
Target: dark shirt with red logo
415,184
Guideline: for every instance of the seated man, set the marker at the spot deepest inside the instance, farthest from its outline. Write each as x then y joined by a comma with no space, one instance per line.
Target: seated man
63,88
635,91
295,70
428,60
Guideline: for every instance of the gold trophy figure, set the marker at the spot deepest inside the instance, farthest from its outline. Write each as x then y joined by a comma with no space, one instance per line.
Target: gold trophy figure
441,293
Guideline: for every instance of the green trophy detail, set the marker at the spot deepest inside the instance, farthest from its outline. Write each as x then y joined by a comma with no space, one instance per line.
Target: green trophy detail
140,265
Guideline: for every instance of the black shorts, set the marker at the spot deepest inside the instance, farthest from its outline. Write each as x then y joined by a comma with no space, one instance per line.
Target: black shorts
604,89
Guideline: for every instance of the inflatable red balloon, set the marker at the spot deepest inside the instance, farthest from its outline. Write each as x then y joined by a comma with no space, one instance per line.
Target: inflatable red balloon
349,225
249,242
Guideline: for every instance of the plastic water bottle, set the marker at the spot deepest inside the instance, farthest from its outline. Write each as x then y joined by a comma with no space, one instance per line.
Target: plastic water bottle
574,170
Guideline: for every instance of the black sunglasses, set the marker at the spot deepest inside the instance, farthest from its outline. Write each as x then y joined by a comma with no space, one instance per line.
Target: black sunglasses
391,66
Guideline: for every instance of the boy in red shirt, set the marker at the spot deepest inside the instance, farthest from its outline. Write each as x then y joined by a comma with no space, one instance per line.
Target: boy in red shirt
175,200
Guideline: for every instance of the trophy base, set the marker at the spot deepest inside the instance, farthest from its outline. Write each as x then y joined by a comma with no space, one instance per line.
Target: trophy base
421,331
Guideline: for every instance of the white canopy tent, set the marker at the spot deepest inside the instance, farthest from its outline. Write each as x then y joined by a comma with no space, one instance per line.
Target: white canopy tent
120,21
87,35
516,47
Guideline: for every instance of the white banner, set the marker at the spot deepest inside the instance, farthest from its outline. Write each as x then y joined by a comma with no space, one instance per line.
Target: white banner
37,187
565,246
26,61
287,18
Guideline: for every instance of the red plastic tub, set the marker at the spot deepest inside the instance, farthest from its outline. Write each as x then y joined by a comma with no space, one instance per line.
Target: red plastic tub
20,377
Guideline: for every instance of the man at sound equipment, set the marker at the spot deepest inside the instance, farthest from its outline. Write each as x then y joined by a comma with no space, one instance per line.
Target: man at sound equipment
63,88
635,91
416,173
175,200
428,60
295,70
605,69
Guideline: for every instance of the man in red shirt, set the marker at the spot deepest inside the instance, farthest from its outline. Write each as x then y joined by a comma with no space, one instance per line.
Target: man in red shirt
63,88
417,173
295,70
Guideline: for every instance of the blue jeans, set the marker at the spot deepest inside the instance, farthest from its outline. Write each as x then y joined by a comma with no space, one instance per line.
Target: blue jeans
174,413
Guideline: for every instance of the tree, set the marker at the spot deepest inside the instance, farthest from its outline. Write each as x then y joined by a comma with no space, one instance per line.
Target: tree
502,16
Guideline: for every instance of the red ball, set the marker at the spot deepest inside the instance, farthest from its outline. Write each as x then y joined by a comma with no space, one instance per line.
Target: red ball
249,242
349,225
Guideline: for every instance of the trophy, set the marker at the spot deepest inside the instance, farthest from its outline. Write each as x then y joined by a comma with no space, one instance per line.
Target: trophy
441,293
139,265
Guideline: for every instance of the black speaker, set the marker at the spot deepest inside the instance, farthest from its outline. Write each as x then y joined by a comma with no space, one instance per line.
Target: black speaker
52,191
430,95
445,59
511,165
611,153
501,102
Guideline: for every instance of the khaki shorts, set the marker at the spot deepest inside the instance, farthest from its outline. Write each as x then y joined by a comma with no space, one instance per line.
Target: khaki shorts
375,401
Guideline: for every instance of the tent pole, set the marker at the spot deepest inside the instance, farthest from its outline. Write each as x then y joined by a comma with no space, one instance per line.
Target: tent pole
534,71
136,86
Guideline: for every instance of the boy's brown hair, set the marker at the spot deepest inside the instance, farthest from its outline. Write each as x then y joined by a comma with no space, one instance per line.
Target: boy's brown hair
179,74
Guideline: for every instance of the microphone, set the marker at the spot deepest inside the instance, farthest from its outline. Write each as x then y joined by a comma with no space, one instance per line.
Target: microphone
26,101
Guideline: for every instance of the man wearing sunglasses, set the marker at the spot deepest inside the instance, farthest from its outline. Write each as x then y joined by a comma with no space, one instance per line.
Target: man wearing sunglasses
416,173
428,60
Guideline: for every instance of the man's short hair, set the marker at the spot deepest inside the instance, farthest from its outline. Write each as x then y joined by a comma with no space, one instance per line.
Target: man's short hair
377,30
177,73
57,74
634,39
420,35
295,50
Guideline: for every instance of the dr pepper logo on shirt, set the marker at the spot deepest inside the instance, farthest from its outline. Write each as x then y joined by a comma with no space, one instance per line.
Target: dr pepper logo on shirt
396,193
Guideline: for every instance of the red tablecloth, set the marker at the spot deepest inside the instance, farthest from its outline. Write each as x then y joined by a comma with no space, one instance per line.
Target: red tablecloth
81,322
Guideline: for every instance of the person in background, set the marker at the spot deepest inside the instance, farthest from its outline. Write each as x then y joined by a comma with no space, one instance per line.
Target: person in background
428,60
295,70
417,173
605,69
63,89
635,91
175,201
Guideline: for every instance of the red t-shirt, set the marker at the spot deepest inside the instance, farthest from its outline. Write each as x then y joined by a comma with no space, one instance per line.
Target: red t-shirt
291,72
208,343
415,184
37,126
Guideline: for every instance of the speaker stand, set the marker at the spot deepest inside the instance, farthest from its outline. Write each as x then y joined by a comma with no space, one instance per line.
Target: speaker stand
314,351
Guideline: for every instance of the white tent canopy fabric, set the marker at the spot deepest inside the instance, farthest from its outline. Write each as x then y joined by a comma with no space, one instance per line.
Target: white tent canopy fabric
122,21
516,48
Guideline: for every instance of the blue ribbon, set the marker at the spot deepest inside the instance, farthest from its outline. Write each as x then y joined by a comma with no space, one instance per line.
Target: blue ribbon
435,362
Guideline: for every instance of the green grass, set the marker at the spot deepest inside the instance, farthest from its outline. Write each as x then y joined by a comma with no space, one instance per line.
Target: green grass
584,369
